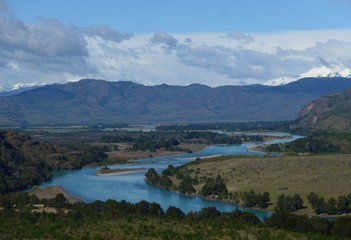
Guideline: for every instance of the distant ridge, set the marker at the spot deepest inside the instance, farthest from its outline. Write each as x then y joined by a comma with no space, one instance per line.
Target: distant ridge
96,101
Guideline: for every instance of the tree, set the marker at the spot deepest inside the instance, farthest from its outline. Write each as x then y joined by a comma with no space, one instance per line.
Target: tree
209,213
142,208
165,182
288,204
155,210
249,198
263,200
343,204
214,187
169,171
185,187
317,203
174,212
152,176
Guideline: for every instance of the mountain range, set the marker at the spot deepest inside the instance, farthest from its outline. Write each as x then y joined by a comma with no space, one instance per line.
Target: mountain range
96,101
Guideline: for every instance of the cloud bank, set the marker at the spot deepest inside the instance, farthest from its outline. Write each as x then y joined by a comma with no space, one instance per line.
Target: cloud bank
48,51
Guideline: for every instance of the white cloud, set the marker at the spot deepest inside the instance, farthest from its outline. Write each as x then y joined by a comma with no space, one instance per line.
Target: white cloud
48,51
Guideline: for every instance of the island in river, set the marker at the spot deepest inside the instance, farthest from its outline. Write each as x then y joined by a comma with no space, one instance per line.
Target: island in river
106,171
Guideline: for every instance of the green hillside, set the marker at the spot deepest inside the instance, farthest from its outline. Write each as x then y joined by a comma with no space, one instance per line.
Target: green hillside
330,113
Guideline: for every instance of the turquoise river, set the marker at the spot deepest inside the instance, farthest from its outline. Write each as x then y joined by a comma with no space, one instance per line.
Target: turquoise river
86,185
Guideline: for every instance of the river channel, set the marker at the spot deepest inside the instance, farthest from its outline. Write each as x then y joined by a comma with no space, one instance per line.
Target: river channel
86,185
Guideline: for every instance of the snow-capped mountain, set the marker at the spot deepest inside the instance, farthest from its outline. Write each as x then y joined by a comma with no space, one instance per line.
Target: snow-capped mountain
322,71
23,87
19,88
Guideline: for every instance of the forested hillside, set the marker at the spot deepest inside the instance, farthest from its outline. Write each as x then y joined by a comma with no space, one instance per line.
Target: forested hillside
25,162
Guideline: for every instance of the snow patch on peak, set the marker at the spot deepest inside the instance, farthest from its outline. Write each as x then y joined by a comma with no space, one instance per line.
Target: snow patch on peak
317,72
280,81
25,85
324,71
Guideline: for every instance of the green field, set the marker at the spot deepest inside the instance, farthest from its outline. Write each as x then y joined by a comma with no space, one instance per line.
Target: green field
326,175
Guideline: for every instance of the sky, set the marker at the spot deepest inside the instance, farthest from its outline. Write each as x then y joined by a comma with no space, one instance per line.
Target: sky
223,42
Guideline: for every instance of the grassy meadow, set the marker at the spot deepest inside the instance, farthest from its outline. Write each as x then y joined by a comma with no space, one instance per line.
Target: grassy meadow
326,175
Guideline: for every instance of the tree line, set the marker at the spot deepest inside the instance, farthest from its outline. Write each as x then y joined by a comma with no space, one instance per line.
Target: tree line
17,214
318,142
332,206
227,126
171,141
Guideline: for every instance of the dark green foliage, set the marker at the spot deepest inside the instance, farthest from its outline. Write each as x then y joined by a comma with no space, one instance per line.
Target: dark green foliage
320,225
214,187
273,148
143,141
332,206
22,224
290,222
155,210
343,204
162,181
169,171
287,204
241,217
209,213
226,126
263,200
251,199
342,227
25,162
152,176
313,144
165,182
174,212
317,142
185,187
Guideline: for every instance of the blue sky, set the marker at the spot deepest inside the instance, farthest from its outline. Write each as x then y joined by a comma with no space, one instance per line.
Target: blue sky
223,42
148,16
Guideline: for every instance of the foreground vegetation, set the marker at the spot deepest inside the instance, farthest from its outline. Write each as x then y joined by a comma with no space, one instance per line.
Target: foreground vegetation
143,220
